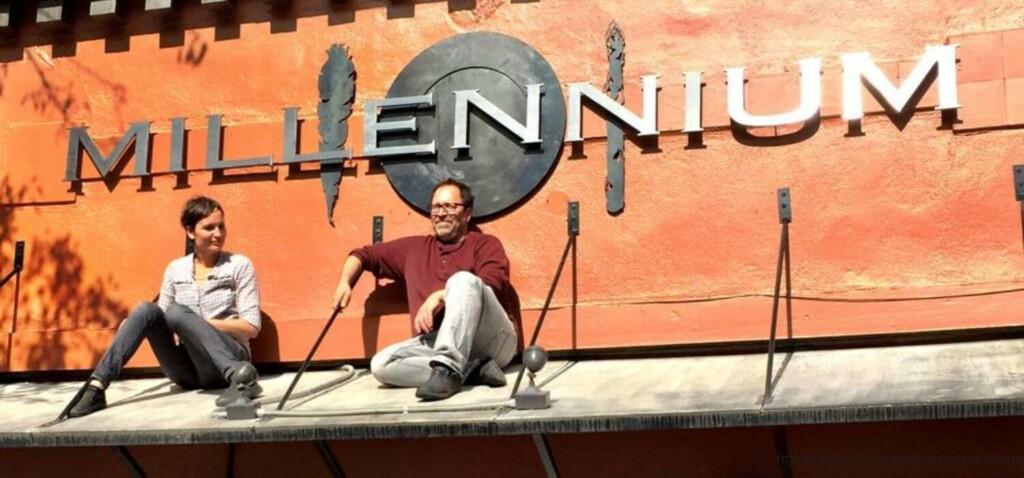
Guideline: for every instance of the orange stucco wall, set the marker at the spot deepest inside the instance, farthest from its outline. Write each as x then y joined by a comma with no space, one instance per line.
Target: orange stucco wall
916,211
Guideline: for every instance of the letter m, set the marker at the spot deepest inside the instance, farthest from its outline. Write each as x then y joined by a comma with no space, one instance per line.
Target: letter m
860,65
79,139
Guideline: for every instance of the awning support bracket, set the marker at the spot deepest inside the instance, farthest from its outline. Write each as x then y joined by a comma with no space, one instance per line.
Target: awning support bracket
785,217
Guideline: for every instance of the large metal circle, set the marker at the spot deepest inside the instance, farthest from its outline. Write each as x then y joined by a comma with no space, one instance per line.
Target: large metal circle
500,170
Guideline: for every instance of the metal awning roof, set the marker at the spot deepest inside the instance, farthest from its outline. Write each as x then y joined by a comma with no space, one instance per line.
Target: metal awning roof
938,381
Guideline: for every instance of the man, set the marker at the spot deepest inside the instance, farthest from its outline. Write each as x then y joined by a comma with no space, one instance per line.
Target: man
457,285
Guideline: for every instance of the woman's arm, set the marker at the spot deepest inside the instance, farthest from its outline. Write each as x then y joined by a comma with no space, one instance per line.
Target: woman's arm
247,302
236,328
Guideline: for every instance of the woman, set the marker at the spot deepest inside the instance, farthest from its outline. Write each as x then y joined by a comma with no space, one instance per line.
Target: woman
210,300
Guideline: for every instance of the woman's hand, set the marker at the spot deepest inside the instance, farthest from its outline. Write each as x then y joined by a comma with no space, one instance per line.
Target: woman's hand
235,327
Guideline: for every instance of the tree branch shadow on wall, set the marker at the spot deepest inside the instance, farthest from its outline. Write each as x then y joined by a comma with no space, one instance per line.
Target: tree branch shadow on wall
55,297
52,95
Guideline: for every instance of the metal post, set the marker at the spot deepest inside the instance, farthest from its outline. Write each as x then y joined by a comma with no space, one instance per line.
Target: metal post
789,289
573,222
1018,188
19,263
8,277
17,293
575,294
782,455
230,472
129,462
378,229
785,217
546,459
329,460
309,358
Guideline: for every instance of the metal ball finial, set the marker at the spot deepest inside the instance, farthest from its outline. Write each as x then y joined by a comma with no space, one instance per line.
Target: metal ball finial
534,358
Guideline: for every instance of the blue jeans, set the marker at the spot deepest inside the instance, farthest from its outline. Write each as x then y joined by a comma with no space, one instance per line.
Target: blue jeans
203,359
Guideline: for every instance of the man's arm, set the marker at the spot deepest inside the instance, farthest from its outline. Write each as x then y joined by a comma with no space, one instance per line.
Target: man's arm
492,265
350,273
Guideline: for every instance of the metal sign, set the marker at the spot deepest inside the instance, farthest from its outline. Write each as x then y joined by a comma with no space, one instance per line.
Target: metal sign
510,150
488,110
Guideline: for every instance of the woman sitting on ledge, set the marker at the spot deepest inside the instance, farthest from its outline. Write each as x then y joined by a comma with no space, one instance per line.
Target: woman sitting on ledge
210,300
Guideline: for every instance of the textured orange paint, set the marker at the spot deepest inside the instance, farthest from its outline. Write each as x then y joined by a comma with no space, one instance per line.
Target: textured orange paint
984,104
1015,101
981,57
1013,53
895,212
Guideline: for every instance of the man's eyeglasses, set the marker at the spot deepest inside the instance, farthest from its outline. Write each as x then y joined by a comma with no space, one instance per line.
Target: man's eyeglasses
446,207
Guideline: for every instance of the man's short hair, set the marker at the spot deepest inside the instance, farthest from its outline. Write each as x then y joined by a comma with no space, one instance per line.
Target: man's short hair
196,209
464,191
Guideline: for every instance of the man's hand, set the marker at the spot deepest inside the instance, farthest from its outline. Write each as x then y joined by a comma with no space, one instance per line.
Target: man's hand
424,321
342,295
350,272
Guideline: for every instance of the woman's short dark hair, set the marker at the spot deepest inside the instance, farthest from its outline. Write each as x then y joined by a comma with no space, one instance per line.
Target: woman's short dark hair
196,209
464,191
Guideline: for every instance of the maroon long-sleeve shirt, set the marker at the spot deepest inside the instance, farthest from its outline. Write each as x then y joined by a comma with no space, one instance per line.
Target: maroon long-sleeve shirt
425,264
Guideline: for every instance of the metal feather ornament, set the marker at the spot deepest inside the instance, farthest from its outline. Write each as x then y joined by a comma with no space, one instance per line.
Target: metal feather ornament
337,93
615,181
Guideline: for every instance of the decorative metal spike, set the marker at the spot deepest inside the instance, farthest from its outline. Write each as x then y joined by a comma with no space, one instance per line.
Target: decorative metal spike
615,182
337,93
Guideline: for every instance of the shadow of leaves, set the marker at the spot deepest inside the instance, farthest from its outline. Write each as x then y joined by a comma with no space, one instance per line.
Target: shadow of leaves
57,298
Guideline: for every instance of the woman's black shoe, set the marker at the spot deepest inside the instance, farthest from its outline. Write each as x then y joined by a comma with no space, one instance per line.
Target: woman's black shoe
244,383
92,400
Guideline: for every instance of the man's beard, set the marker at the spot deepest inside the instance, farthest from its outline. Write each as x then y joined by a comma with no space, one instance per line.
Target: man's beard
450,236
